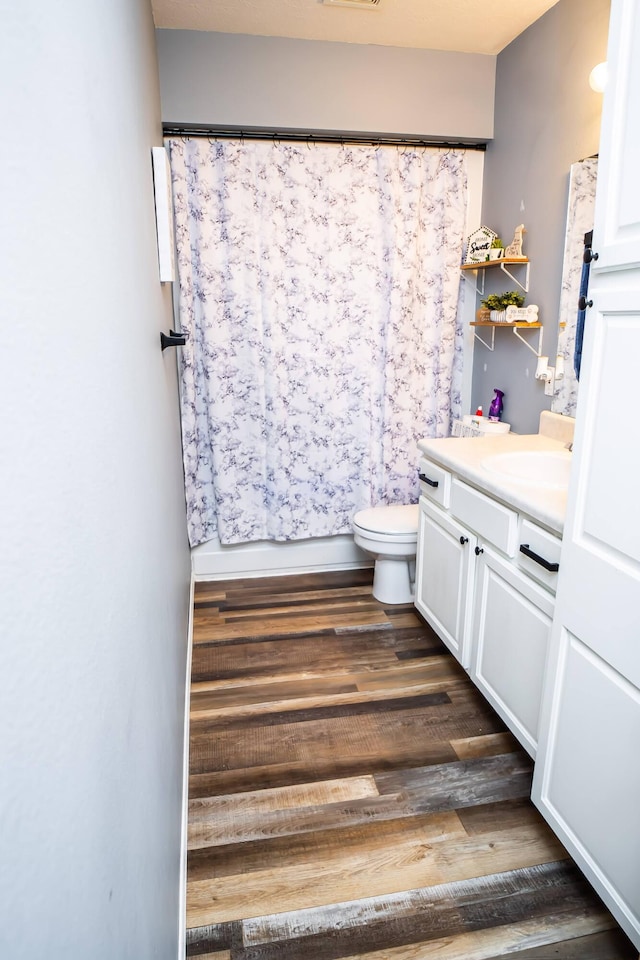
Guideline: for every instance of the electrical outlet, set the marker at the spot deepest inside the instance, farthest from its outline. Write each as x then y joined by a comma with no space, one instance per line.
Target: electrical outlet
550,381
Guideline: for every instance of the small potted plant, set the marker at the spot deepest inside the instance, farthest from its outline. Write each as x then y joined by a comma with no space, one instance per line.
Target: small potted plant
496,250
497,304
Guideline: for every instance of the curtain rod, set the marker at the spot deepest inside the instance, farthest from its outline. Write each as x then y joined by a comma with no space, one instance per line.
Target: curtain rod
307,136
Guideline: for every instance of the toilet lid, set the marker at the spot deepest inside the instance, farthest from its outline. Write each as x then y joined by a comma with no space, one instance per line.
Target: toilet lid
399,519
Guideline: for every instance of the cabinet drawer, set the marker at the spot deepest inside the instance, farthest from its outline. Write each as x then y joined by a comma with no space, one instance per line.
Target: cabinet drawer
545,546
492,521
435,483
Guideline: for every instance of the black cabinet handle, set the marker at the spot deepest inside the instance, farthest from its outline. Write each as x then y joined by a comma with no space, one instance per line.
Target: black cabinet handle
551,567
425,479
464,540
478,551
589,255
583,303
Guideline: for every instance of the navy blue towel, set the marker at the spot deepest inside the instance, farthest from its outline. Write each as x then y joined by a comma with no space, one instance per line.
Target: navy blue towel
584,286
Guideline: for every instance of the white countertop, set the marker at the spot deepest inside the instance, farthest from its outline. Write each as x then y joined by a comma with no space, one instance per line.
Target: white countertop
463,456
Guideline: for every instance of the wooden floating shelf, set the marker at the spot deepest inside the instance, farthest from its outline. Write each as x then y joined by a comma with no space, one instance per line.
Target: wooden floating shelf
498,323
504,263
515,326
482,264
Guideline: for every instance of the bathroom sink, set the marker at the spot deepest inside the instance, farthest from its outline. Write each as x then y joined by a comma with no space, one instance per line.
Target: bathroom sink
542,468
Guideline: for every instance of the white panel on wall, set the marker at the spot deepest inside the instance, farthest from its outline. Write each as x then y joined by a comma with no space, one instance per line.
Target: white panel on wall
617,229
164,214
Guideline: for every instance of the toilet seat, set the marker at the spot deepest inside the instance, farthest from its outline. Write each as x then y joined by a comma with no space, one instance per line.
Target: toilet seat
396,522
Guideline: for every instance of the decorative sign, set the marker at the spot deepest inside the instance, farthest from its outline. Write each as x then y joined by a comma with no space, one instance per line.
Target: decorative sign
522,314
479,245
514,250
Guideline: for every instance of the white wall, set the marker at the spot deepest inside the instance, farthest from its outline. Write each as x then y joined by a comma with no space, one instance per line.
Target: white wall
277,82
94,560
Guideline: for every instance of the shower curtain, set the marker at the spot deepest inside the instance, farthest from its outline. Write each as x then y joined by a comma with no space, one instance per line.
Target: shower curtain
318,288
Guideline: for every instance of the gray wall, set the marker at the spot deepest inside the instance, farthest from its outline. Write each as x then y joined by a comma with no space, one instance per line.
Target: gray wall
94,566
546,117
238,80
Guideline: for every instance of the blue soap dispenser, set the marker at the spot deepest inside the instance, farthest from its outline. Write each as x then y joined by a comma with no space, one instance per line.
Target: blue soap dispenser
495,408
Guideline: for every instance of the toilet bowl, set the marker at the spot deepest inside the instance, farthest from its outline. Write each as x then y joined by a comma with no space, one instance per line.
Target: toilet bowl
389,534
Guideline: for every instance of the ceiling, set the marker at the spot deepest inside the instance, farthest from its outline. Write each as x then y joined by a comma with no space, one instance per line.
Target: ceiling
469,26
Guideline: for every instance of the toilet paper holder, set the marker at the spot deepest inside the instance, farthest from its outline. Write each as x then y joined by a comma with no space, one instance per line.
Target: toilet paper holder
174,339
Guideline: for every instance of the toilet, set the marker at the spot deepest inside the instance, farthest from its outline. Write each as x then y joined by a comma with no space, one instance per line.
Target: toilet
389,534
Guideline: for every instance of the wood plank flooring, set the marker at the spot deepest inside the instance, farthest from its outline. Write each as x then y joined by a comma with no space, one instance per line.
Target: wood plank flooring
352,795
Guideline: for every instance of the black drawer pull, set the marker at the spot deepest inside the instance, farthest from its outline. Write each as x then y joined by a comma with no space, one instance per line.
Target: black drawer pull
464,540
425,479
478,551
551,567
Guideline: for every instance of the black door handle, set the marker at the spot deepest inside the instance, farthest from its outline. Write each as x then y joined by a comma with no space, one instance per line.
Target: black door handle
425,479
528,552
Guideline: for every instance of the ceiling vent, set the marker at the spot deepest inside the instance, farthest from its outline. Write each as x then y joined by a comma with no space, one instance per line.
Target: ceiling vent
360,4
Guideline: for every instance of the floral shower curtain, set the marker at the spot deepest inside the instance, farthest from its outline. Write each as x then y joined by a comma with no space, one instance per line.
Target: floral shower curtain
319,288
580,216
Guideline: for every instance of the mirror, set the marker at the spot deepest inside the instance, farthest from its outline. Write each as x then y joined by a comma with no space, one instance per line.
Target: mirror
580,212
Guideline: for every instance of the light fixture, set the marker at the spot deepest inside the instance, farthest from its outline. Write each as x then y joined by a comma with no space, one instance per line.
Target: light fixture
598,77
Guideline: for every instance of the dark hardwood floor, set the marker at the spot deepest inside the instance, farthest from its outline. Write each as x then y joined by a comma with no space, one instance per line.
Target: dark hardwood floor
352,795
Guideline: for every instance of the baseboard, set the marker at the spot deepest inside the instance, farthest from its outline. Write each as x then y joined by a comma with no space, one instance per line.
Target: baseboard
182,911
213,561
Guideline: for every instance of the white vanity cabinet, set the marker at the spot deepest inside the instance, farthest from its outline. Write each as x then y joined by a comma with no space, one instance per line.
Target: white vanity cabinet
488,601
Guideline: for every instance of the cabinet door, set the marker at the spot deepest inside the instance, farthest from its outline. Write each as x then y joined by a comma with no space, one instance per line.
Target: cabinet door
587,778
445,564
511,629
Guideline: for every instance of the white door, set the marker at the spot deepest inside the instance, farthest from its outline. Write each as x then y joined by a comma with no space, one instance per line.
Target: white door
444,578
511,629
587,778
